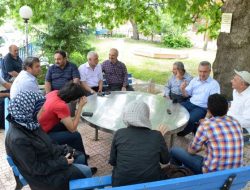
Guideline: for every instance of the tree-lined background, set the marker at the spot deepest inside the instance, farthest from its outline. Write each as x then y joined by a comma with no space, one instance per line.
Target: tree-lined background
66,25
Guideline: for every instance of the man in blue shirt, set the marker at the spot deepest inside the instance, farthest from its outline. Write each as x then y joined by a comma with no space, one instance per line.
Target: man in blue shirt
60,73
12,64
200,88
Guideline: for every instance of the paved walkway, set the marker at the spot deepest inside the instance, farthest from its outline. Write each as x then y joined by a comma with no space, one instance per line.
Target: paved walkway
98,151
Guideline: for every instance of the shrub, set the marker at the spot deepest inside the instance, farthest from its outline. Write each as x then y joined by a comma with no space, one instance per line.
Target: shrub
176,41
41,77
77,58
118,35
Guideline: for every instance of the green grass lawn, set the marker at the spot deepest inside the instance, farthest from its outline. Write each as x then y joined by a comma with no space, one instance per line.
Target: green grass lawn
145,68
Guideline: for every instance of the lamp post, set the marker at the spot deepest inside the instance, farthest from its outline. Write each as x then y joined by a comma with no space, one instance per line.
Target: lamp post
26,13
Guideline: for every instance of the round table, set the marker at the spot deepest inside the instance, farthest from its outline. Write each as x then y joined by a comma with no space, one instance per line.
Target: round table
107,112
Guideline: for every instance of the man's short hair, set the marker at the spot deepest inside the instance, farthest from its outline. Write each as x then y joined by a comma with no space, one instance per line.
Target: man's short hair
91,53
71,91
29,62
62,53
180,66
205,63
217,105
115,50
11,46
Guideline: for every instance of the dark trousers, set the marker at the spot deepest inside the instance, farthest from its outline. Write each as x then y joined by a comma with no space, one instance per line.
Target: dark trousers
87,93
177,98
246,136
196,113
118,87
60,135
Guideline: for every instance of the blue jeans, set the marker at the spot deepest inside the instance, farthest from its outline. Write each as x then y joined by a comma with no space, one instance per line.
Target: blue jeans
180,157
246,138
196,113
84,169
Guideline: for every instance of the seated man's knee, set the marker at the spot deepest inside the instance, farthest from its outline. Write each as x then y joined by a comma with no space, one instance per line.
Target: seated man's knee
176,151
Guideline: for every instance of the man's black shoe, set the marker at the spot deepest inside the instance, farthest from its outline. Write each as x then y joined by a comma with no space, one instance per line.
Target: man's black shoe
93,170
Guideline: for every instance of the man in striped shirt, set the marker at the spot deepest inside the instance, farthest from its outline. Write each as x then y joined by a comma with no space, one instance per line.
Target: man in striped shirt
221,136
116,73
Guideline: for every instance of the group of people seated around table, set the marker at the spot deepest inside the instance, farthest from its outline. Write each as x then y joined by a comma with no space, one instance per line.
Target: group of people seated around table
44,143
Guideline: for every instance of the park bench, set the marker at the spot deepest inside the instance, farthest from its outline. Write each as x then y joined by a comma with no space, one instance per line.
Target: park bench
103,32
233,179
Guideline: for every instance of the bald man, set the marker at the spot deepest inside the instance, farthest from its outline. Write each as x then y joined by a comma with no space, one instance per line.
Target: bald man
12,64
116,72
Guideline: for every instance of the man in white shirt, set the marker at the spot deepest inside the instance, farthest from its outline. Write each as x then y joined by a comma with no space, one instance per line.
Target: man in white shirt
26,80
91,74
240,105
199,88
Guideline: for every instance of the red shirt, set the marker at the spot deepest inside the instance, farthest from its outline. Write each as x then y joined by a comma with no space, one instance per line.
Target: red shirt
55,109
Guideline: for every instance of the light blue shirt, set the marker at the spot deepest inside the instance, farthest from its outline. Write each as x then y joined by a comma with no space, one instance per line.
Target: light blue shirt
174,84
24,82
201,90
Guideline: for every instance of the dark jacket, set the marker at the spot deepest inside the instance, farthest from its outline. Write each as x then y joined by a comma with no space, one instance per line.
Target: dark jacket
10,64
41,163
136,154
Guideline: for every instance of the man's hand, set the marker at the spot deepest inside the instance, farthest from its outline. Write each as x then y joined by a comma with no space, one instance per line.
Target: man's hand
82,101
183,85
124,88
163,129
69,160
92,91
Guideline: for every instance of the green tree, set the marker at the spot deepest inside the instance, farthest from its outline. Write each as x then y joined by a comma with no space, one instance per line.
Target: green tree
59,24
233,48
141,14
205,14
2,11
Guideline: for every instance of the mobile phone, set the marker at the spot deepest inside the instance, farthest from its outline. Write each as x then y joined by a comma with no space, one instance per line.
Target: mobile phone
87,114
100,94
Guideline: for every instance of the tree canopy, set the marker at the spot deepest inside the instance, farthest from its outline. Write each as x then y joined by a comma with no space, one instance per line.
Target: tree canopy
145,16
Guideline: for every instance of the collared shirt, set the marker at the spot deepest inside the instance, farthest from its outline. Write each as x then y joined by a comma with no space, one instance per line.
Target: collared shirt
201,90
223,141
115,73
59,77
10,64
89,75
24,82
174,84
56,110
240,108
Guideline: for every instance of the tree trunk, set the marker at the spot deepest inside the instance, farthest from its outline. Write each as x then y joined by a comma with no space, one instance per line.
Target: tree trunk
135,30
206,38
233,48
